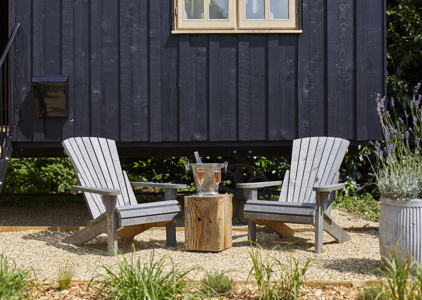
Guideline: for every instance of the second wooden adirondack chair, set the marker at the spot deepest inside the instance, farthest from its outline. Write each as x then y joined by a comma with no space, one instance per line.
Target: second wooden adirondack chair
110,198
307,191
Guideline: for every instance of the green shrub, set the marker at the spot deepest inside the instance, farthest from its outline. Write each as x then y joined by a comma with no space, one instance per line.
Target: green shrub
364,206
13,281
39,175
216,284
133,279
373,293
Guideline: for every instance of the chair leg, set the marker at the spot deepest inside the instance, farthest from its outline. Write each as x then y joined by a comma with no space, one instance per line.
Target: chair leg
171,234
252,231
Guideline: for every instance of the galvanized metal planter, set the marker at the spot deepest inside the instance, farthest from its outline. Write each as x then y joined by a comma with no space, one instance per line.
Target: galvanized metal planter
401,228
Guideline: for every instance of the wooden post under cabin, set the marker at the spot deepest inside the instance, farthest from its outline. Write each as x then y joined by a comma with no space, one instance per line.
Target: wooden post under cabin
208,222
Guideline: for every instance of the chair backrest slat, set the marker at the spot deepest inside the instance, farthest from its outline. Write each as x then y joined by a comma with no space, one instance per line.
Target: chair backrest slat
97,163
315,162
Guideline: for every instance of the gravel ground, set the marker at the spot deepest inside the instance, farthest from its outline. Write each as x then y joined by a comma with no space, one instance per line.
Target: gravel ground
43,250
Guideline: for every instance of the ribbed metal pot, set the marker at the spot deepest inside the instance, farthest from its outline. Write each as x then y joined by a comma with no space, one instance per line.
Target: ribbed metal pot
400,228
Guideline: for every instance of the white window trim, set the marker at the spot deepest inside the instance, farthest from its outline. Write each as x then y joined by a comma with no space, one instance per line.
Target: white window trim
236,22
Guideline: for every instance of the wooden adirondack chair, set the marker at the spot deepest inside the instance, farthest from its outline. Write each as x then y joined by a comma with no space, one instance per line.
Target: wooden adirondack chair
307,191
110,198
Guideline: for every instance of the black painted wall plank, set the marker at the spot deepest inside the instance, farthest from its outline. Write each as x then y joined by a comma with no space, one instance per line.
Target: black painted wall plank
132,80
125,79
110,67
140,71
282,84
67,66
169,77
222,88
155,69
82,69
96,68
340,69
312,70
38,133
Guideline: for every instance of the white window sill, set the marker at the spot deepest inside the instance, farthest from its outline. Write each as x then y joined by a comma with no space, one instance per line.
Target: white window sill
236,31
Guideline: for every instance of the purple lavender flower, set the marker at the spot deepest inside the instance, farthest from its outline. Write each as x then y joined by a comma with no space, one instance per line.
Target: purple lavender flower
392,101
417,87
405,113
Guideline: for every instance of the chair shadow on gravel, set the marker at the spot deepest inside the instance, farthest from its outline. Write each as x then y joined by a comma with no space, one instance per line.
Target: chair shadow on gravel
357,265
98,245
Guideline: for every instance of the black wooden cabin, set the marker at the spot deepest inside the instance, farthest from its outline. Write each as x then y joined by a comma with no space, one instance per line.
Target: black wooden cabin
129,78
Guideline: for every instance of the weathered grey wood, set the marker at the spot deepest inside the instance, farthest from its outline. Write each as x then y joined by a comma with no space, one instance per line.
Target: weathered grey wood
110,205
171,234
311,182
252,231
88,233
99,171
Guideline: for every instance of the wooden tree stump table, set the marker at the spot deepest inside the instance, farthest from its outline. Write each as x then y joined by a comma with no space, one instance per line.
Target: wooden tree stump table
208,222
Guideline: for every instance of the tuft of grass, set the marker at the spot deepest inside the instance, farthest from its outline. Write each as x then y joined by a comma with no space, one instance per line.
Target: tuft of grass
66,272
373,293
399,278
216,284
13,281
276,280
156,279
365,206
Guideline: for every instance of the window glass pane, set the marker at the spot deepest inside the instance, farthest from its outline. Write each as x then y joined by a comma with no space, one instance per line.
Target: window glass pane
219,9
255,9
279,9
194,9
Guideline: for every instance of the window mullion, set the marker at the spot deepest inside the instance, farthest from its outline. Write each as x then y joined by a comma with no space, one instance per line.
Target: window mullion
267,10
206,10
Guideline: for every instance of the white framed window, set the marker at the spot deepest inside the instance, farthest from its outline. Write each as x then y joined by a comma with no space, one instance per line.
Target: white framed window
206,14
236,16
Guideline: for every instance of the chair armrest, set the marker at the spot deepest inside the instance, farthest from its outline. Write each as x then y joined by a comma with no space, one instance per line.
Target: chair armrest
101,191
329,188
250,190
160,185
252,185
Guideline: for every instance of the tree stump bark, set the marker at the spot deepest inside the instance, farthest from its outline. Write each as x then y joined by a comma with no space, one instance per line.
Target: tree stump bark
208,222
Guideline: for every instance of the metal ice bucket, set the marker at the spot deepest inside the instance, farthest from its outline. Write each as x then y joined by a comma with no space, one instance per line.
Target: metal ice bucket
209,187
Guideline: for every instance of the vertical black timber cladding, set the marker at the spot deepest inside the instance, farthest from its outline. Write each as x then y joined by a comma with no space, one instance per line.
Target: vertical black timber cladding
24,55
67,64
312,70
169,76
370,65
140,71
96,68
110,67
193,75
282,84
51,60
340,69
81,71
125,72
244,80
258,87
155,68
222,87
38,60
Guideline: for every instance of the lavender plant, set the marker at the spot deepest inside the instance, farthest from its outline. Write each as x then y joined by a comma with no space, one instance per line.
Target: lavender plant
399,175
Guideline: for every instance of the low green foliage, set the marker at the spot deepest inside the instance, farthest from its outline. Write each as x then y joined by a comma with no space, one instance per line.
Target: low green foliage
216,284
157,279
275,279
39,175
373,293
66,272
13,281
364,206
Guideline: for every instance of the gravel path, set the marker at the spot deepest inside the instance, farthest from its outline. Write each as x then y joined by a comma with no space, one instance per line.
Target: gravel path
43,251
